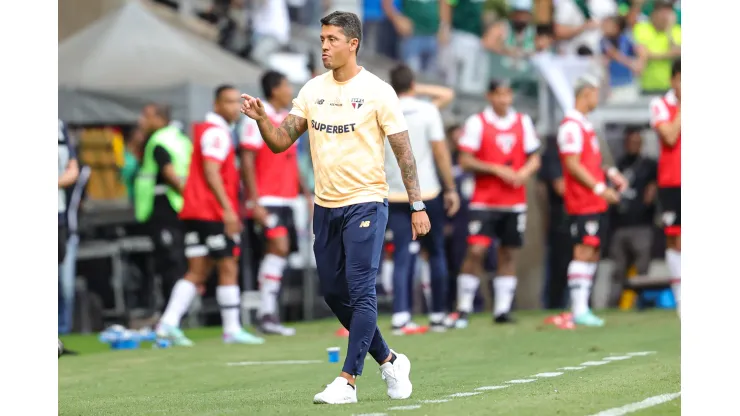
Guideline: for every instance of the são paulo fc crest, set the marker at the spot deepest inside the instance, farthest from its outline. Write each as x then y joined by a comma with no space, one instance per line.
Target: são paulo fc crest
592,227
357,103
505,142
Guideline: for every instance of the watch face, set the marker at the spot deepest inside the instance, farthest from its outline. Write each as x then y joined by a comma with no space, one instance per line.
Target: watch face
417,206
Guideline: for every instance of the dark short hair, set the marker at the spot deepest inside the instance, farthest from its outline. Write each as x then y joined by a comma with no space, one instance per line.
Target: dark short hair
584,50
220,90
676,68
402,77
663,4
495,84
632,129
162,111
349,23
271,80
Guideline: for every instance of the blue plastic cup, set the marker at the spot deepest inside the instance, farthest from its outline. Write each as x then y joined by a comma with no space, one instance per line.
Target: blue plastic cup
162,343
333,353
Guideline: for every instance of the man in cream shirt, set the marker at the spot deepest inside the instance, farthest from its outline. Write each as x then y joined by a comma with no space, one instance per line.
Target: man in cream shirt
348,113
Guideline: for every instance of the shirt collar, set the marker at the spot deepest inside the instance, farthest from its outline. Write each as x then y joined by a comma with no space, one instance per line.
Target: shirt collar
216,119
492,117
576,115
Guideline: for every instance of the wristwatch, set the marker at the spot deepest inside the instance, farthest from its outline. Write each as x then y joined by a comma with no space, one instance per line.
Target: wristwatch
418,206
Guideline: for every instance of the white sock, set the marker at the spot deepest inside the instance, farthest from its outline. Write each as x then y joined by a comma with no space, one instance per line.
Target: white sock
182,296
504,288
579,282
425,277
270,277
228,299
386,276
467,287
673,260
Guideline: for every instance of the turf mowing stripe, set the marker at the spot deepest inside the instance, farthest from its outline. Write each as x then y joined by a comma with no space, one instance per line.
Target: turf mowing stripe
287,362
633,407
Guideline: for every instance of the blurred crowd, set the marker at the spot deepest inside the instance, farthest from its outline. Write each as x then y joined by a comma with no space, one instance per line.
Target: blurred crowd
465,42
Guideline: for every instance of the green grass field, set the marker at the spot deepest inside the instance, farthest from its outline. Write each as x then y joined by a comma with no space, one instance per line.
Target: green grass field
199,381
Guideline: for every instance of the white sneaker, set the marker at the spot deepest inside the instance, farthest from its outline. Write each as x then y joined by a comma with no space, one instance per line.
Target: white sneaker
338,392
396,376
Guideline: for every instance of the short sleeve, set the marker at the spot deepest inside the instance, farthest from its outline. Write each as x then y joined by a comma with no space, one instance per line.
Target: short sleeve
531,141
472,131
641,33
161,156
300,103
658,113
215,144
389,113
249,136
652,170
570,138
436,127
564,12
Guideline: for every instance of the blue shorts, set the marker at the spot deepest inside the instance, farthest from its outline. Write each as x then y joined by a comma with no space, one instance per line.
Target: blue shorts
348,243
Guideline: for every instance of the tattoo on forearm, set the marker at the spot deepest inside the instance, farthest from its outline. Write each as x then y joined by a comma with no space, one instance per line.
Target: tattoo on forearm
280,138
402,149
295,126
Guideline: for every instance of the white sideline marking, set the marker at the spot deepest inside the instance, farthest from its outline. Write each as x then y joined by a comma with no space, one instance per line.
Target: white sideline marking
485,388
410,407
553,374
522,381
593,363
617,358
633,407
436,401
571,368
468,394
640,353
287,362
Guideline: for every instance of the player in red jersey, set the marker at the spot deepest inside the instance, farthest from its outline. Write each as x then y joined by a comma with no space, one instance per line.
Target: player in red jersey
272,184
212,226
500,147
665,118
586,196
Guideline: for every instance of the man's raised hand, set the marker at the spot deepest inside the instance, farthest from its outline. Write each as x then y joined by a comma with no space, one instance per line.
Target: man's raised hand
253,108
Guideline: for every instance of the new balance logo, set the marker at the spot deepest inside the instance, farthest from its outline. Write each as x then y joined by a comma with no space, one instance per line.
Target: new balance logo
364,224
